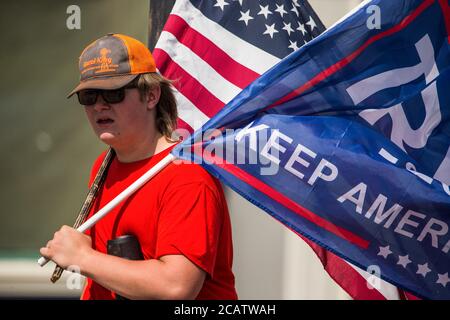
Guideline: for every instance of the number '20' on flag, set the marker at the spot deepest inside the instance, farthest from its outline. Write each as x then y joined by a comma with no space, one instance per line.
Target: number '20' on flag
347,142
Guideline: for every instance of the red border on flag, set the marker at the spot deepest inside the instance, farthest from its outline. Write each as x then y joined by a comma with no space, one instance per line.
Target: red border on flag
445,6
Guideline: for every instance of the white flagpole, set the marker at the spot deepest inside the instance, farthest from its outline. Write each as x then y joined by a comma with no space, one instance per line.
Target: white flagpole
118,199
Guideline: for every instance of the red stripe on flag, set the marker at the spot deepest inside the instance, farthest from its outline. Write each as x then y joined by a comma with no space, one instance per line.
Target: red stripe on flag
285,201
181,124
343,274
445,6
219,60
190,87
342,63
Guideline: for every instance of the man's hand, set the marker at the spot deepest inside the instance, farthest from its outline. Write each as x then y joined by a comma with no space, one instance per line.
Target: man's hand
68,247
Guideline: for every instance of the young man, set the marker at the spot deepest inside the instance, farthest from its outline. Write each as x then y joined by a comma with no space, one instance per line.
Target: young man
179,217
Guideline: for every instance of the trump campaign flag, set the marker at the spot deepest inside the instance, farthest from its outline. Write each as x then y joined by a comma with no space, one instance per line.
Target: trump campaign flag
216,48
346,141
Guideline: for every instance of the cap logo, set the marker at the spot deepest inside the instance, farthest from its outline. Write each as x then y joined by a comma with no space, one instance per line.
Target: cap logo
100,64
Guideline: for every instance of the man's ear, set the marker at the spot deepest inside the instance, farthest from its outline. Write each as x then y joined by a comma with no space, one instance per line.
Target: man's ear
153,96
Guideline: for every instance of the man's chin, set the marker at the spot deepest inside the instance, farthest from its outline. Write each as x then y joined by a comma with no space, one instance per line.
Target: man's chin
107,137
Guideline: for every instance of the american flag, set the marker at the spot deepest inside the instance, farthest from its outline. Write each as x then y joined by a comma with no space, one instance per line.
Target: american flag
214,49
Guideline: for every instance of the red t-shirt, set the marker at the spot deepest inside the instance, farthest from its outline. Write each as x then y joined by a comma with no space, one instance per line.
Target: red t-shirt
181,210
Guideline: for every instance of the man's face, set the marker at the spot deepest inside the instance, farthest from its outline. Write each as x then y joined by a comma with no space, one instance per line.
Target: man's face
123,124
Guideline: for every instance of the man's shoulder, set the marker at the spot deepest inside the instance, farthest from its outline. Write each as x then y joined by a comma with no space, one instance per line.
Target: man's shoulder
191,177
101,156
98,161
190,172
96,166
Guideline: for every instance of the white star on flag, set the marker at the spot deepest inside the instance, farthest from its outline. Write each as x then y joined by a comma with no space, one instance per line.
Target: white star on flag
311,23
293,45
280,10
294,9
403,260
301,28
245,17
288,28
295,2
265,11
270,30
443,279
221,4
423,269
384,252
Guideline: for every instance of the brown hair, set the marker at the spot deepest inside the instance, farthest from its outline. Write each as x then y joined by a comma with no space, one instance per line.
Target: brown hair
166,109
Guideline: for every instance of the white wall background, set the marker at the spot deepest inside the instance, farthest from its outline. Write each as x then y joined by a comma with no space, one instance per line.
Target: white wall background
271,262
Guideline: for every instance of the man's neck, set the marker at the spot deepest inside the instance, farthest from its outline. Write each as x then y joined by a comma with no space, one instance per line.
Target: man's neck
143,150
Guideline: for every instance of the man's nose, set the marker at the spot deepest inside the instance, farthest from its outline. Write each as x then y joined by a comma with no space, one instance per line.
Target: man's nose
101,104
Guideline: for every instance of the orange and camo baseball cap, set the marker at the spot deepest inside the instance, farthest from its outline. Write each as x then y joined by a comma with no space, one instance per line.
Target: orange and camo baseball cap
113,61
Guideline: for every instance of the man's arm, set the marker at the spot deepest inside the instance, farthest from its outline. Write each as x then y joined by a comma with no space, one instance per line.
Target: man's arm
169,277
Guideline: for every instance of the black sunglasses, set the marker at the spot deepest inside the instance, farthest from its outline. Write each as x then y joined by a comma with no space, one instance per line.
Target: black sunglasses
88,97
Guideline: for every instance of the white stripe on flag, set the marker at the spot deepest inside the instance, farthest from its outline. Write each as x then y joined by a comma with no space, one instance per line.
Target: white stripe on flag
241,51
389,291
189,113
198,68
